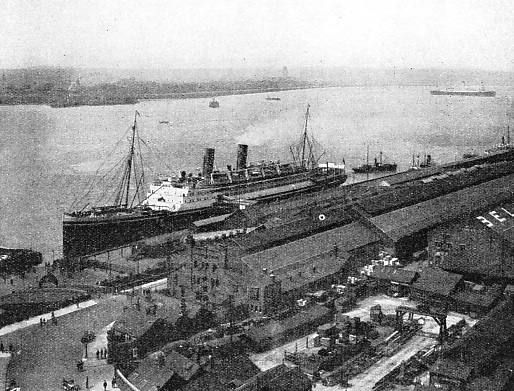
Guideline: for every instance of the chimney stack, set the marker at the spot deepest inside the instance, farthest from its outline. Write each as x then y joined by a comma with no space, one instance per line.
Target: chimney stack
208,162
242,154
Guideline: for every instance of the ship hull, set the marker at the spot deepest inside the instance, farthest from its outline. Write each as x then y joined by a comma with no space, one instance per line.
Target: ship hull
84,236
373,169
464,93
89,235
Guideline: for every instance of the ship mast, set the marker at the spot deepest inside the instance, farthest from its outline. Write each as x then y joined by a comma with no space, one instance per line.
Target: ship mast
305,136
130,158
122,199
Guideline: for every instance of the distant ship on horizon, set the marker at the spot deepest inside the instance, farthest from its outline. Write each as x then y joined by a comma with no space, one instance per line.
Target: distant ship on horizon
464,92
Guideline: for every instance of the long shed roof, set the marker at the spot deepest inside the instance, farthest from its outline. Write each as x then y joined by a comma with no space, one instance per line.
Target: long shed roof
346,238
407,221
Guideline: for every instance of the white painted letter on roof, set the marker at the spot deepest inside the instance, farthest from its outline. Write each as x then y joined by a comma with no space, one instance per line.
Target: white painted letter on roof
485,221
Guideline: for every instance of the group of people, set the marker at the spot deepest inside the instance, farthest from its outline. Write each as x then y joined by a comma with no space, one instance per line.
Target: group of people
42,321
2,348
101,354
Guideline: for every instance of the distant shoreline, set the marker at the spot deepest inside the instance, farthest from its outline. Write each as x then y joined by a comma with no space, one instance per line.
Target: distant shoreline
211,94
104,98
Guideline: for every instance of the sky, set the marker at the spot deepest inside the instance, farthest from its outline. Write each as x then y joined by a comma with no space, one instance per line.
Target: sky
183,34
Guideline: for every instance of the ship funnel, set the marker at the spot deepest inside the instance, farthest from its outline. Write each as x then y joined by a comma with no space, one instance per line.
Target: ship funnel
208,162
242,153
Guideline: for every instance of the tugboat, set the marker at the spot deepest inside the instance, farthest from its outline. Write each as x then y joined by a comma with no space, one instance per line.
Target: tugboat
214,104
173,204
378,166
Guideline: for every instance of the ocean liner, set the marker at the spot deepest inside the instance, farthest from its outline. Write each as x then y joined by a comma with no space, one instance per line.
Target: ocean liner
173,203
465,92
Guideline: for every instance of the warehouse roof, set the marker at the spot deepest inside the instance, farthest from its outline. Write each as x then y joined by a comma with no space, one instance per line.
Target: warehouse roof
297,224
406,221
482,299
156,370
433,187
435,280
500,220
275,329
394,274
281,258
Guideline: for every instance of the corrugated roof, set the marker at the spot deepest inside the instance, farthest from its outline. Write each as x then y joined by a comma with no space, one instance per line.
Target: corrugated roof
406,221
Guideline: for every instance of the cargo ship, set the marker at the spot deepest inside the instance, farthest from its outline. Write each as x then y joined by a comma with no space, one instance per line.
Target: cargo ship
174,203
420,164
465,92
378,166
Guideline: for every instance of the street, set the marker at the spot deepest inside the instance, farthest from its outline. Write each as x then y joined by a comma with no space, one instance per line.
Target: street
45,355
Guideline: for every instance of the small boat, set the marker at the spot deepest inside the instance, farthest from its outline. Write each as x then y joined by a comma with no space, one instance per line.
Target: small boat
214,104
272,98
164,122
378,166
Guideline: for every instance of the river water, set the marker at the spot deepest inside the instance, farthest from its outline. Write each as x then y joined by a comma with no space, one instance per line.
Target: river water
49,155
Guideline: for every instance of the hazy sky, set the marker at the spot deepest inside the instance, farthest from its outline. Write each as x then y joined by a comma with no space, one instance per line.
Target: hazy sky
253,33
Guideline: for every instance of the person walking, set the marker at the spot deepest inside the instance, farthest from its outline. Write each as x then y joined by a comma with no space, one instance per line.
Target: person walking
113,382
87,382
1,346
105,385
97,354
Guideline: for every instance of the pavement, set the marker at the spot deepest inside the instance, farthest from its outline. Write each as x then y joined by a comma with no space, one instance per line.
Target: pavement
5,357
36,319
